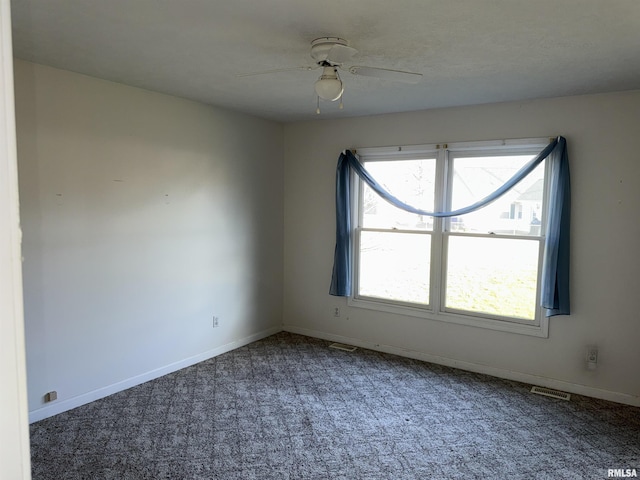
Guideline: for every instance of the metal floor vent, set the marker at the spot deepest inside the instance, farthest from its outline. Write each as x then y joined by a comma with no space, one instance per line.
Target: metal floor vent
342,346
548,392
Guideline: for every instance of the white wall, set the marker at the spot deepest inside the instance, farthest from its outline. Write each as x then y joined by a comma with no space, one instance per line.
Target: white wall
602,134
144,215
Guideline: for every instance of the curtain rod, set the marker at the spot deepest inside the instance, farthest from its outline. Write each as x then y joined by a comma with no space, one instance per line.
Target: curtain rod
400,148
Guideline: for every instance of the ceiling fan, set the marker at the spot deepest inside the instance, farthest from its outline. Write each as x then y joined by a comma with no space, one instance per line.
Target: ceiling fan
330,53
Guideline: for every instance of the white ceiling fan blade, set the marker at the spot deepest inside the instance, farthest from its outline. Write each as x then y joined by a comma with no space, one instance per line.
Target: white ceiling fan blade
277,70
340,54
387,74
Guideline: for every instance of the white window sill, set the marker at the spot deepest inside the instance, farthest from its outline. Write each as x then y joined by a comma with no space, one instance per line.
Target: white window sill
541,330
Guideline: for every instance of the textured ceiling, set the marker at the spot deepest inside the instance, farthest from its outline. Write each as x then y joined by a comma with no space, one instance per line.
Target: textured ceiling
469,51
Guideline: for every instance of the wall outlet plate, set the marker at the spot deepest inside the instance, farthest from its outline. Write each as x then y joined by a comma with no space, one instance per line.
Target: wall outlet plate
50,396
592,357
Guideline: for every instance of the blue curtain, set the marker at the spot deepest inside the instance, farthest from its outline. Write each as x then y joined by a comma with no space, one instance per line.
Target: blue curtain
555,270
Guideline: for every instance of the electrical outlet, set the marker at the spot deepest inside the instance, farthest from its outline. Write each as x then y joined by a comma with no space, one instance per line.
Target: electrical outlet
216,321
592,357
336,311
51,396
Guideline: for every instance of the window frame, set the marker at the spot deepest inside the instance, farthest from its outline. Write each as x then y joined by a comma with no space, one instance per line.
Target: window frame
445,154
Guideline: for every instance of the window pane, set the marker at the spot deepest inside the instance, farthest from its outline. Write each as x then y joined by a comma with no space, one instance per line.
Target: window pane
517,212
395,266
495,276
412,181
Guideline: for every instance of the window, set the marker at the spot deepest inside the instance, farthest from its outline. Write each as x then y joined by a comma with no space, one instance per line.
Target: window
481,268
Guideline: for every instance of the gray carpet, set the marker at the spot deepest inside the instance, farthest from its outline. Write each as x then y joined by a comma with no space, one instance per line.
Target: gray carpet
288,407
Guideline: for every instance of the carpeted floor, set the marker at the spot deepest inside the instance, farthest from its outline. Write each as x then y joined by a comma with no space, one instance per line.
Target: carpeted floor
289,407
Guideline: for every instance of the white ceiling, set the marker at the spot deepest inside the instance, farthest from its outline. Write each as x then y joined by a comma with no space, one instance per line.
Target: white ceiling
469,51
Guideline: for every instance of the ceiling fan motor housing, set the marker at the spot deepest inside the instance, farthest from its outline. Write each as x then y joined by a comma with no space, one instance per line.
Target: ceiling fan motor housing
321,47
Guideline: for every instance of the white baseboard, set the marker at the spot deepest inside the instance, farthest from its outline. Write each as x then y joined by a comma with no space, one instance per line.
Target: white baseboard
63,406
576,388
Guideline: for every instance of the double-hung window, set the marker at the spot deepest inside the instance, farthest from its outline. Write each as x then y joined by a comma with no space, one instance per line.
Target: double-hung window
481,268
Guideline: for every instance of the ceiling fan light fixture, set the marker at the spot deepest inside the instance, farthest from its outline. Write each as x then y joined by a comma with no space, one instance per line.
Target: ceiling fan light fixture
329,86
